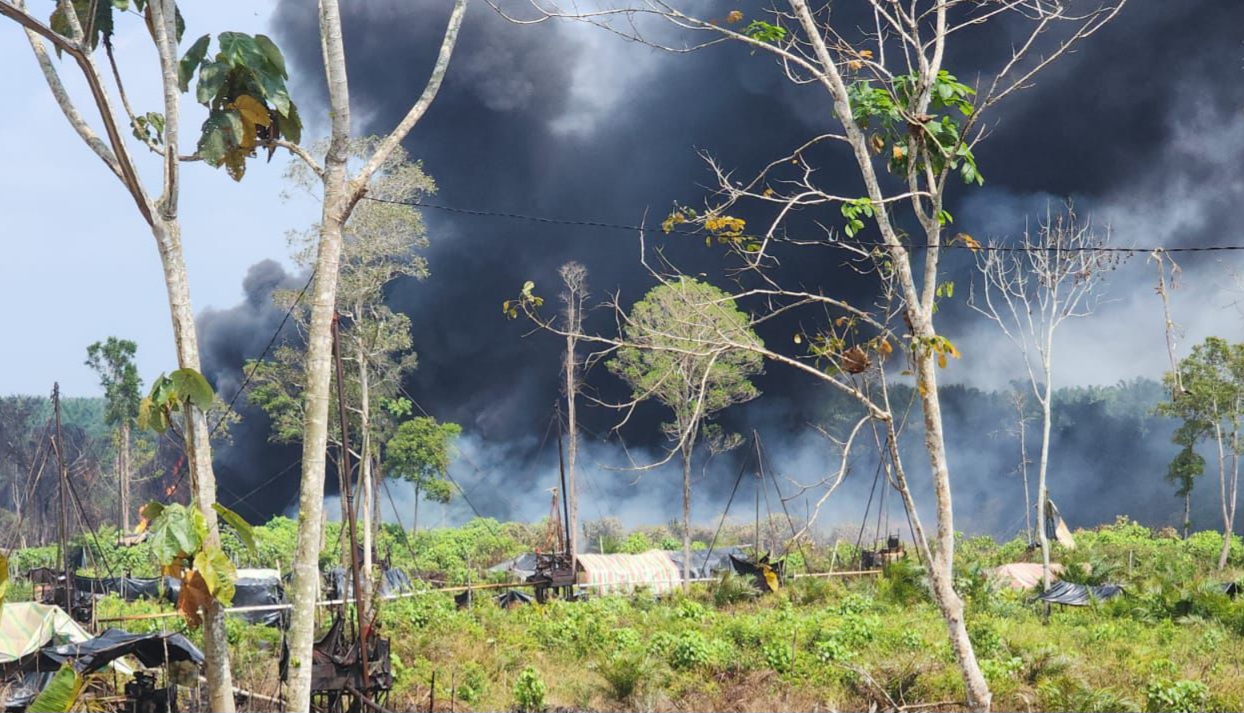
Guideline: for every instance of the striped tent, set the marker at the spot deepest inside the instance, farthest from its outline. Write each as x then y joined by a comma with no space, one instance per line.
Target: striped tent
624,573
26,627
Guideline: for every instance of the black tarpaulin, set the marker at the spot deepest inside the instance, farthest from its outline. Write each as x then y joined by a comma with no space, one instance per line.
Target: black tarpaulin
149,649
706,564
128,588
247,592
1079,595
395,581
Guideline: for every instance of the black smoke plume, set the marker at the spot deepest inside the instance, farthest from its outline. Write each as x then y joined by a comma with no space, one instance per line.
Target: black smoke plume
1141,125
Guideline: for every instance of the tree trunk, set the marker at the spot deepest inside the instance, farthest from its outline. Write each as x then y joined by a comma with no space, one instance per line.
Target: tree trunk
365,479
123,476
198,455
315,440
1228,493
572,435
1187,512
116,468
1042,490
941,562
1023,468
1222,489
688,450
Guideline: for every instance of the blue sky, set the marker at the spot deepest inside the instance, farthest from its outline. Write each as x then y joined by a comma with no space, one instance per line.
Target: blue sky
79,264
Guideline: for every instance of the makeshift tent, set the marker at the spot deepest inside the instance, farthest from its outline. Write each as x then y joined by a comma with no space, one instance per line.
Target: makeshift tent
28,631
706,564
623,573
394,581
1079,595
1023,575
1055,528
93,654
27,627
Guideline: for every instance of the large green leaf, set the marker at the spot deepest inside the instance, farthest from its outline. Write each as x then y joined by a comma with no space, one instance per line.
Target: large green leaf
240,49
101,27
212,76
275,91
191,61
151,417
192,385
161,391
239,525
291,125
218,572
273,54
151,512
175,534
61,693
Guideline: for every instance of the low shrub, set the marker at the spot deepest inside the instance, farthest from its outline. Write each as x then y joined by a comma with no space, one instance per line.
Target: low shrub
529,691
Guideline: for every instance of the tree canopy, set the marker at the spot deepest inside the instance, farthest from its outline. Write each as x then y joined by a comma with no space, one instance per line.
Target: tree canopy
421,451
673,352
113,360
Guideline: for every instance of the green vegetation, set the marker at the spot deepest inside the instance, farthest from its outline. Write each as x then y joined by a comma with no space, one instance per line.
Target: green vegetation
1174,641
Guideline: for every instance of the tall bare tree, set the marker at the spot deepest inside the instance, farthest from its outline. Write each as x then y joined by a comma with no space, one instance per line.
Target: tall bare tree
1029,293
896,107
243,88
574,297
341,192
380,245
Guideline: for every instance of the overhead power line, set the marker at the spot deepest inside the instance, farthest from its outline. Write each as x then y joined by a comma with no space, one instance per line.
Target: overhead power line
605,225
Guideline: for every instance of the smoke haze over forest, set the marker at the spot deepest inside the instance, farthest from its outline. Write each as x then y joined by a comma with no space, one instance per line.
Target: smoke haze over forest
1143,127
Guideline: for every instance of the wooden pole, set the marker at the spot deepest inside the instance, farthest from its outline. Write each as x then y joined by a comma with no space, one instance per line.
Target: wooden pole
66,566
348,493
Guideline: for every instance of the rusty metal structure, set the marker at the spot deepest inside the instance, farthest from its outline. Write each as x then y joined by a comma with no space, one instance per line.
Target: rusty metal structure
555,569
337,681
885,551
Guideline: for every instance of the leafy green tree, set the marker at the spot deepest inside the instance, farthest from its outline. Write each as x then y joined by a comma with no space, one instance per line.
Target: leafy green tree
113,360
1208,395
421,451
1187,466
674,353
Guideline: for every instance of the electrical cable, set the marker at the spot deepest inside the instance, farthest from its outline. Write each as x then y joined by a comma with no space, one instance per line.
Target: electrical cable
586,223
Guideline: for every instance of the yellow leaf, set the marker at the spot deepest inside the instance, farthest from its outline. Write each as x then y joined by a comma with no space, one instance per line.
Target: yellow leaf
798,339
855,65
884,348
734,16
768,192
252,110
898,152
866,54
969,241
876,143
941,359
924,390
